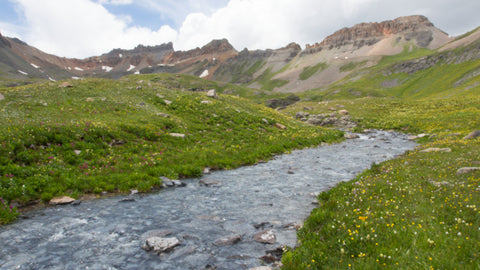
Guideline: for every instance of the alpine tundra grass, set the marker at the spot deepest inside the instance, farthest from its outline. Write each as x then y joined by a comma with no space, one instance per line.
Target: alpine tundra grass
113,136
414,212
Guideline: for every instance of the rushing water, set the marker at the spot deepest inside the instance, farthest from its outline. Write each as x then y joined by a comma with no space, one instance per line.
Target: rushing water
108,233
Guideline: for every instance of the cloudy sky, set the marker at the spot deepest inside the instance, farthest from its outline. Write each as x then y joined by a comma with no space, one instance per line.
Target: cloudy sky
83,28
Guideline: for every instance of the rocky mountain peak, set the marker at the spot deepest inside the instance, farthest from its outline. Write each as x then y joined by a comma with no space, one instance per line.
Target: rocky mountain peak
4,42
370,33
294,46
217,45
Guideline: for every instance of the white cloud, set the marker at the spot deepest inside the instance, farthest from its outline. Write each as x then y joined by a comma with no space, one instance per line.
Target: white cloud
81,28
115,2
264,24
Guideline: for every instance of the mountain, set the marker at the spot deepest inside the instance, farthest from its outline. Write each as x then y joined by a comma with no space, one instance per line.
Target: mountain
348,49
287,69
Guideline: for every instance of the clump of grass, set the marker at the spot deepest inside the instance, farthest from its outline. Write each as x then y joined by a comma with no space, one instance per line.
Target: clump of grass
311,70
352,65
268,83
7,212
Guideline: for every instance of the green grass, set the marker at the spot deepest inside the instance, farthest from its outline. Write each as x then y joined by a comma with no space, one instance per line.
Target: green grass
311,70
448,78
105,135
352,65
413,212
268,83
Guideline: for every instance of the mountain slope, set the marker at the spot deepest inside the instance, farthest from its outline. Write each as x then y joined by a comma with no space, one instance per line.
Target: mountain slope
415,74
288,69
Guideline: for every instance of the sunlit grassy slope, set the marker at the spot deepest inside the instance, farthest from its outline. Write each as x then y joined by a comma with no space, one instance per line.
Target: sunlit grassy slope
436,75
105,135
414,212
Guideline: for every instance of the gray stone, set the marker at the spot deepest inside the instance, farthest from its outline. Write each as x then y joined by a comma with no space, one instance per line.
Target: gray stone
412,138
61,200
179,183
261,268
168,102
160,245
351,136
212,93
178,135
2,97
228,241
168,183
472,135
301,115
314,121
439,184
280,126
210,182
206,102
65,84
343,112
466,170
433,149
265,237
164,115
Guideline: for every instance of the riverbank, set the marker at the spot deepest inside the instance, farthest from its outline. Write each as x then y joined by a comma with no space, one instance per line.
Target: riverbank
275,197
420,211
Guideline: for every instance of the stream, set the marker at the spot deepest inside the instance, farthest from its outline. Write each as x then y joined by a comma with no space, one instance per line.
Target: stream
108,233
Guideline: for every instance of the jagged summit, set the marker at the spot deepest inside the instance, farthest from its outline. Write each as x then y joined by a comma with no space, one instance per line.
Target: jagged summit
217,45
370,33
4,42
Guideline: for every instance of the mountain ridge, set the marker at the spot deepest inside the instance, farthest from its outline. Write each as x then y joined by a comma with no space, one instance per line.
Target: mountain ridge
280,70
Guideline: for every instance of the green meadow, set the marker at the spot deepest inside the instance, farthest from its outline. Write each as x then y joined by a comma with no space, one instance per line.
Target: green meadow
114,136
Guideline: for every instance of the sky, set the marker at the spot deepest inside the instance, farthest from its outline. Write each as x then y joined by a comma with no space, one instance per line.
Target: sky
84,28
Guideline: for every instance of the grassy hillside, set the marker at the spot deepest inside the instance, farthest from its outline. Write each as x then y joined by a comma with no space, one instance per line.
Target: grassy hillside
413,74
415,212
103,135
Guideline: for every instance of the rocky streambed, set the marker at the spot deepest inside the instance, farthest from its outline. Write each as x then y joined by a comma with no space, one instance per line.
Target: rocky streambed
225,220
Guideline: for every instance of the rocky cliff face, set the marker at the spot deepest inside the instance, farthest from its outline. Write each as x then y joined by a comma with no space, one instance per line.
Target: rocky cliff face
370,33
4,42
214,47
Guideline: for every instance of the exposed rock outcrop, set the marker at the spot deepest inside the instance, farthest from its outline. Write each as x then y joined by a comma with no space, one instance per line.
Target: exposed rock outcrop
370,33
